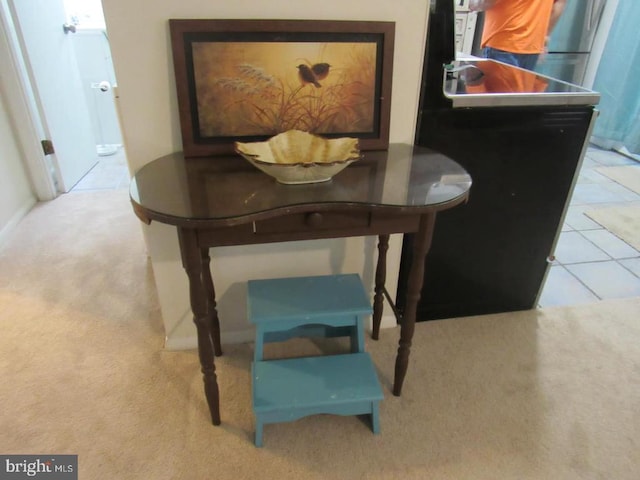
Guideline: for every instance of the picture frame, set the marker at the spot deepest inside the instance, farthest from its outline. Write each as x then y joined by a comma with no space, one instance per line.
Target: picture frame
248,80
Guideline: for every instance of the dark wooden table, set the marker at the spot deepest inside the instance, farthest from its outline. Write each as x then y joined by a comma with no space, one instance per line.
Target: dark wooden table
224,201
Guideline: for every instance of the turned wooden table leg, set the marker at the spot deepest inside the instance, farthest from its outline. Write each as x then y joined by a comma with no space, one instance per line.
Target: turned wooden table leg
381,276
193,260
421,245
212,312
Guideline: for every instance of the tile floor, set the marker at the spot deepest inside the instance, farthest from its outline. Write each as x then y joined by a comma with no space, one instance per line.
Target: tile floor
590,264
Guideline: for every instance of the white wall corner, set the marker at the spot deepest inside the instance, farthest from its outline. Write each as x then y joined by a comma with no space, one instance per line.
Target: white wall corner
147,103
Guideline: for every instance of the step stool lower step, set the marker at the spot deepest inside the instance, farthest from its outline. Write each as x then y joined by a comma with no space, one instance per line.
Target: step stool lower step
289,389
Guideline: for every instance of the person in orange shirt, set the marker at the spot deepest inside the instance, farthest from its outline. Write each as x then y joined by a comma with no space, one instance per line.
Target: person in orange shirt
517,31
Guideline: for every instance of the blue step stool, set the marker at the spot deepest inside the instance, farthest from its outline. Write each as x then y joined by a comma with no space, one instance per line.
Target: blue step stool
326,306
289,389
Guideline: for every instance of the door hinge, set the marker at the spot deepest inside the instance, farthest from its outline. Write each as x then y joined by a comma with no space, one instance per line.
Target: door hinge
47,147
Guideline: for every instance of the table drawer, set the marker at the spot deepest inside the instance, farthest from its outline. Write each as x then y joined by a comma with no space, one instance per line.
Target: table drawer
313,221
310,226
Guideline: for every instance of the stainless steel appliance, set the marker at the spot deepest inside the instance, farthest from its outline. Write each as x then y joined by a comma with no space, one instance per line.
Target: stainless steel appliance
571,41
521,136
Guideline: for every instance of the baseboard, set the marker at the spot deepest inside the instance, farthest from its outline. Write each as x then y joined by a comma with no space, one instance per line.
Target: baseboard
8,228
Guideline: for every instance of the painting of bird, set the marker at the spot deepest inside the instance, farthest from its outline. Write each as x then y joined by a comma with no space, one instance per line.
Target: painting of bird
320,70
306,76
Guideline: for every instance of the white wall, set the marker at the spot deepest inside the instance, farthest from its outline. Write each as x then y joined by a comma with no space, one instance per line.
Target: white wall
140,45
16,198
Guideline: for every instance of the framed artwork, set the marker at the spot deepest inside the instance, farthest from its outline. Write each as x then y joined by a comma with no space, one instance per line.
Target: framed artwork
247,80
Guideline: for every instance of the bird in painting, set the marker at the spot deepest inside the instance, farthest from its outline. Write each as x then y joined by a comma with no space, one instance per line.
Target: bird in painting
320,70
306,76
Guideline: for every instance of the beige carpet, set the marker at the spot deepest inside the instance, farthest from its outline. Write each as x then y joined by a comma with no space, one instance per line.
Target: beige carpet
622,221
627,176
548,394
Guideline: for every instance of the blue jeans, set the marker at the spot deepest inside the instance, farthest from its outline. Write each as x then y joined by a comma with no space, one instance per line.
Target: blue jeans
522,60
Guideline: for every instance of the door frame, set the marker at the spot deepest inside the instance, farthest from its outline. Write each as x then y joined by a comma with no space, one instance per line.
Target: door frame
26,117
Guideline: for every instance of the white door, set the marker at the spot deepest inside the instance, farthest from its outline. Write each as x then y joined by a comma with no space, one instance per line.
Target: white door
51,65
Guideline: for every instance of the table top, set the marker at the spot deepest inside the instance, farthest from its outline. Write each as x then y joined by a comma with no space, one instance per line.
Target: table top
227,190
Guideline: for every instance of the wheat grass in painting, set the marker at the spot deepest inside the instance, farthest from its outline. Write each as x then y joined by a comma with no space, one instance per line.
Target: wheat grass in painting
264,88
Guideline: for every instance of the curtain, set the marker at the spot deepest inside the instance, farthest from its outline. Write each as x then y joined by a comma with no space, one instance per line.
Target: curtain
618,80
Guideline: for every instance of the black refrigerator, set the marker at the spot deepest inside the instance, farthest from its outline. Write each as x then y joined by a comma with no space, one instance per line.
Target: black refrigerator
521,136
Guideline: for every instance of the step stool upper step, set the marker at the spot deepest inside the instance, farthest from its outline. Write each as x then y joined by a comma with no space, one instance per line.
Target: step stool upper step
306,297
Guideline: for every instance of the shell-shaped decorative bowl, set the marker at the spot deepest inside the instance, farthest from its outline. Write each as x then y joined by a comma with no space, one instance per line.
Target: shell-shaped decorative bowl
296,157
